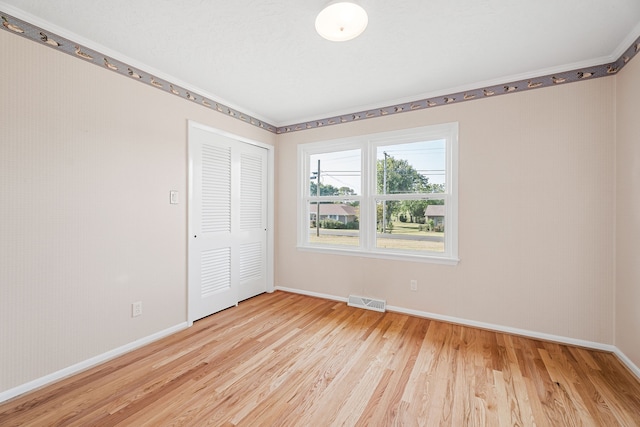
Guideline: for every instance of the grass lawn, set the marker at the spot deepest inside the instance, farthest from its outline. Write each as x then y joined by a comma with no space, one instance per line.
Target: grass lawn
410,245
334,240
399,229
411,228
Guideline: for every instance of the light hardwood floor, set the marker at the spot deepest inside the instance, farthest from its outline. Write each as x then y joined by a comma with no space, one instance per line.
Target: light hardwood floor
292,360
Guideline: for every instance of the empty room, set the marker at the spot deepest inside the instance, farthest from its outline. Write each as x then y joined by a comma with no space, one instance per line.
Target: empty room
319,213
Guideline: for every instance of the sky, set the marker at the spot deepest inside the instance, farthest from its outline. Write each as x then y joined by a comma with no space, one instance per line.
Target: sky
342,169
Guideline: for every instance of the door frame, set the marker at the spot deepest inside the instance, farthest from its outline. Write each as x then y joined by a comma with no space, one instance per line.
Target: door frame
270,199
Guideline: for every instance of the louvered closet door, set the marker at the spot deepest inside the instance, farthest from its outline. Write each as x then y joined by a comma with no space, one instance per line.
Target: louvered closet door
252,222
227,222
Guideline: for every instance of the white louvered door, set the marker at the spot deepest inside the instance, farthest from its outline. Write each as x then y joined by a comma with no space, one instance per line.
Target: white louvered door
227,221
252,222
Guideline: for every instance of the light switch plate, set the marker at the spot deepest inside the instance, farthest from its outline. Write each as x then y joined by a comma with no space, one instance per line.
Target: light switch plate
173,197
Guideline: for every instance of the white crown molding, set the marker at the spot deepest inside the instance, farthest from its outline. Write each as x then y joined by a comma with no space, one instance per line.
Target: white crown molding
627,42
118,56
311,122
452,90
463,88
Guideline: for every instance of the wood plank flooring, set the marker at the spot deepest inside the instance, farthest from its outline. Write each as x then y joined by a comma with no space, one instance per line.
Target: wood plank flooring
290,360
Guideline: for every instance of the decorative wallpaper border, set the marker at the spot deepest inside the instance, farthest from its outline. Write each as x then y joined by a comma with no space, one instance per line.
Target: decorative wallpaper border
31,32
34,33
480,93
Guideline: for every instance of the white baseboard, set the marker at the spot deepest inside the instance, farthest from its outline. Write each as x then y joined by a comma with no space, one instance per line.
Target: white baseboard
499,328
506,329
81,366
311,294
628,363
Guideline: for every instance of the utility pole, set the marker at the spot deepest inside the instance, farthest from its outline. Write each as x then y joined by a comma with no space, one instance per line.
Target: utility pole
384,191
318,202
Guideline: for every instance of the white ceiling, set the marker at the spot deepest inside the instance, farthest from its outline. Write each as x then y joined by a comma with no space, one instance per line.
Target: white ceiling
264,57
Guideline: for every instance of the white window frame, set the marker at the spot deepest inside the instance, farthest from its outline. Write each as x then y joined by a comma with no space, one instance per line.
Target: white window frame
368,145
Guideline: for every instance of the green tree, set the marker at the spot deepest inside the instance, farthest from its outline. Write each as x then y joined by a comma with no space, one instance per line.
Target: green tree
325,190
346,191
330,190
415,209
403,178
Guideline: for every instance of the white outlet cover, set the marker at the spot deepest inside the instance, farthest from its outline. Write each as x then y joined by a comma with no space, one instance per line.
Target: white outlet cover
136,309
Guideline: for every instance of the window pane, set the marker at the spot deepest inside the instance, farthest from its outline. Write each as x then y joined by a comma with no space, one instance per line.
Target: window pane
411,225
417,167
339,223
339,173
388,180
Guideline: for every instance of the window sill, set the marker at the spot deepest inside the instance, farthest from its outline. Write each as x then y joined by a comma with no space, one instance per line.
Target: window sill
396,256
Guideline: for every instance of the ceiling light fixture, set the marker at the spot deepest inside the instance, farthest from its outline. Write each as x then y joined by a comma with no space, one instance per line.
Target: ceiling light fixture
341,21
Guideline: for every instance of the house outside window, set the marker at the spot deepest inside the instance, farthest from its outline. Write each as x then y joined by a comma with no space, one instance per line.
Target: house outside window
435,217
386,195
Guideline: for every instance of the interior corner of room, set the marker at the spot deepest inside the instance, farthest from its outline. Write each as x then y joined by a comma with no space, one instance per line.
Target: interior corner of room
95,231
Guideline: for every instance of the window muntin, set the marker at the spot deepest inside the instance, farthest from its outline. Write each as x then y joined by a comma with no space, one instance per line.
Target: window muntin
391,221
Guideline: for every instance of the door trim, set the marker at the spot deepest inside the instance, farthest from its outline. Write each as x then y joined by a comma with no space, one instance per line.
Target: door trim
270,199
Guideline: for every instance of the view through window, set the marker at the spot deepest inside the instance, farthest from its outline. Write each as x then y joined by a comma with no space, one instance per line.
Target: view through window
385,194
408,178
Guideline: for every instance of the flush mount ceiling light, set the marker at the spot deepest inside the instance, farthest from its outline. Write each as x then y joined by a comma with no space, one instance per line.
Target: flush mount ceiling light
341,21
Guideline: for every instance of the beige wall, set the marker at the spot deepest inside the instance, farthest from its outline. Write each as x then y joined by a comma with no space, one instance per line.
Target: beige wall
536,216
87,160
627,318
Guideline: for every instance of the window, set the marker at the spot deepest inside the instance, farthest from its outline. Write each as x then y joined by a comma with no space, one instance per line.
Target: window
388,195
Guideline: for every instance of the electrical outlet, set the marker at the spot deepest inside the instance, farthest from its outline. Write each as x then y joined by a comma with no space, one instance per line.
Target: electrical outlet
136,309
413,285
